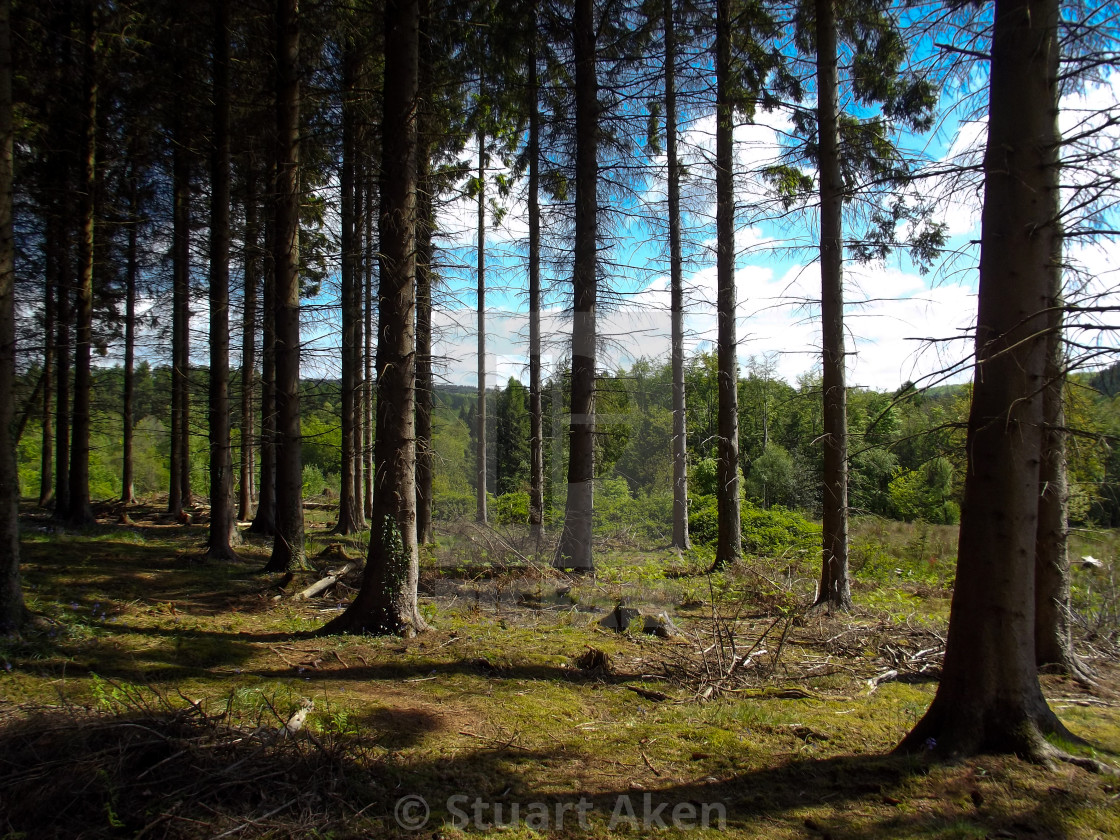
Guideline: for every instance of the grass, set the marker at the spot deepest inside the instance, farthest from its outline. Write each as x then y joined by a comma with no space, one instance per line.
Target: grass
150,697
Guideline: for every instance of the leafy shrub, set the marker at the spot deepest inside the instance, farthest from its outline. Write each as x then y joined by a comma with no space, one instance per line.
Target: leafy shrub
767,532
510,508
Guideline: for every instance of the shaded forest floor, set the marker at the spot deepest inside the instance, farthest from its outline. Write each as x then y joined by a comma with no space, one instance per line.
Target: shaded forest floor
158,696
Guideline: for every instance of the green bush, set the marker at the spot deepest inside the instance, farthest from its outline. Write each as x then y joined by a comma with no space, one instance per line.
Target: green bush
768,532
510,508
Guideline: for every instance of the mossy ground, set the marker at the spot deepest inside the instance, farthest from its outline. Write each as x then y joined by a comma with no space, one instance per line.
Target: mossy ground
150,691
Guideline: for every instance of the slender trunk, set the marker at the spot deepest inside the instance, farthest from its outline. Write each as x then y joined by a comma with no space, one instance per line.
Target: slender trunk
480,414
833,592
425,224
80,512
180,325
729,539
676,284
249,342
12,610
350,518
52,277
1053,632
63,314
574,550
287,548
132,272
368,384
989,698
264,523
387,602
536,409
223,525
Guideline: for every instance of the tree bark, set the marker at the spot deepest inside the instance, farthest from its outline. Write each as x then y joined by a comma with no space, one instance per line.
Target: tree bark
368,384
12,610
676,285
264,523
223,525
480,469
574,550
80,511
536,409
249,341
425,226
387,602
179,492
287,547
989,697
833,592
52,277
350,514
729,539
63,311
132,272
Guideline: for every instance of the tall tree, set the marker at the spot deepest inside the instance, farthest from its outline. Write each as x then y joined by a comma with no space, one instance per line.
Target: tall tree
834,591
132,276
425,254
223,525
80,512
264,522
676,286
574,550
350,514
386,603
536,405
989,698
480,469
729,539
287,547
251,273
12,610
179,494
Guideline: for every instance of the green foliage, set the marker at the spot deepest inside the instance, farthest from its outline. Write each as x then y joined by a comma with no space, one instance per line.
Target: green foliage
925,494
765,532
510,508
450,506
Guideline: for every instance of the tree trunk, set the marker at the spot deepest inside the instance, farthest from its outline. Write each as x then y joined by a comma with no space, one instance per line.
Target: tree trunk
132,272
574,550
63,313
425,225
223,525
52,275
676,284
833,592
368,384
729,539
350,514
480,468
1053,633
989,697
180,325
386,602
287,548
264,523
536,410
80,512
249,341
12,610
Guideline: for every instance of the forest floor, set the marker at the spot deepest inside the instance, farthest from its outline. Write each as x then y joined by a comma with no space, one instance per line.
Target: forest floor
160,696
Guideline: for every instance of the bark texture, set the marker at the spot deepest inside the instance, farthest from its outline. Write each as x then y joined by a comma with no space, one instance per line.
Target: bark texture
574,550
12,610
989,697
679,444
536,409
833,592
387,602
249,343
480,420
223,526
287,547
729,539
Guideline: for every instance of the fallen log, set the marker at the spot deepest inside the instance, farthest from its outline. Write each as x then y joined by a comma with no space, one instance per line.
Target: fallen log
324,583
